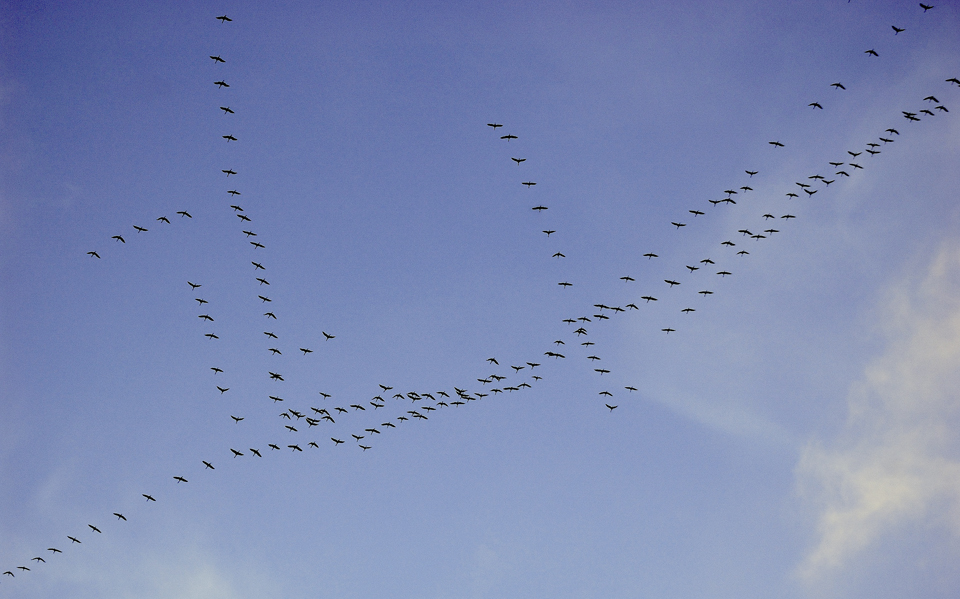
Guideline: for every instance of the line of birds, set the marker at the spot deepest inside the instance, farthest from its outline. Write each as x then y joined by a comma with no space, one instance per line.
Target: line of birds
364,431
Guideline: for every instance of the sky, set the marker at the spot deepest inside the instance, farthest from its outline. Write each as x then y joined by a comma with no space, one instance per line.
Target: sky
792,433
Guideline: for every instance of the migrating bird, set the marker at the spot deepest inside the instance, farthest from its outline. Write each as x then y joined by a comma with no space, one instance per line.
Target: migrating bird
149,497
236,419
118,238
776,144
925,7
306,351
549,232
183,213
327,335
494,125
140,229
236,453
815,105
180,479
751,173
695,213
94,528
837,85
229,171
217,59
897,30
678,225
208,465
508,137
224,19
120,516
518,160
229,138
871,52
94,254
226,110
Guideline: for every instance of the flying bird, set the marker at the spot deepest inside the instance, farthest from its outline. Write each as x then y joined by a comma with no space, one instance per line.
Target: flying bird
217,59
897,30
226,110
224,19
871,52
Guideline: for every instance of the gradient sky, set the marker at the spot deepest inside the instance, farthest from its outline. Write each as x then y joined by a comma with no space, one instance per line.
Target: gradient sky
794,436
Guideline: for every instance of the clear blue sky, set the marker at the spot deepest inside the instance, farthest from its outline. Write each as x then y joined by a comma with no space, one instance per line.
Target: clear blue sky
795,435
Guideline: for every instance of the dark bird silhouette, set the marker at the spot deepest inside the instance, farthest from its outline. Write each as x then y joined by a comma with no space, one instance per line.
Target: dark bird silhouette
494,125
776,144
518,160
668,330
815,105
837,85
210,336
54,550
119,238
236,453
120,516
183,213
38,559
925,7
140,229
529,184
565,284
671,283
897,30
224,19
236,419
650,255
705,293
180,479
217,59
149,497
678,225
871,52
94,254
549,232
306,351
724,273
953,80
221,84
229,138
751,173
207,465
222,389
226,110
695,213
508,137
94,528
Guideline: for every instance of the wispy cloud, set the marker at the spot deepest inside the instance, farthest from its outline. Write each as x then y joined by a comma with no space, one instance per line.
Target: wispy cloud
895,461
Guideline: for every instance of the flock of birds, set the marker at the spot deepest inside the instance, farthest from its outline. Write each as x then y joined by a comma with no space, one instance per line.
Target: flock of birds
305,427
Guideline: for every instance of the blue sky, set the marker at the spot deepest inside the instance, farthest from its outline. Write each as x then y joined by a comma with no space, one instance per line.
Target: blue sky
794,435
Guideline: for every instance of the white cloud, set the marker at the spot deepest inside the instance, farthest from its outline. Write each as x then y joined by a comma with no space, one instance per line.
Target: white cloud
896,460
